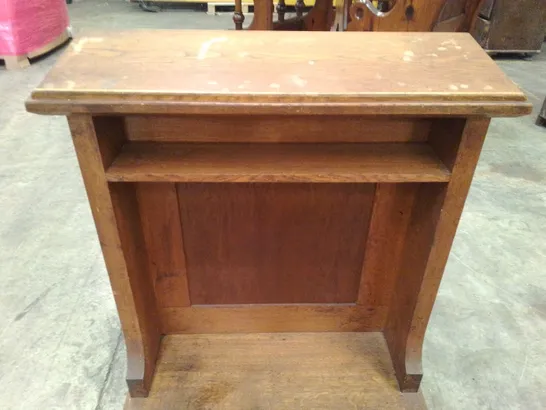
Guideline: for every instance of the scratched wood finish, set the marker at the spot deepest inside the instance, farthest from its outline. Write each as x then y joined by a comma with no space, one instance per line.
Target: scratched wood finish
267,128
229,71
149,162
214,220
274,243
327,371
273,318
158,207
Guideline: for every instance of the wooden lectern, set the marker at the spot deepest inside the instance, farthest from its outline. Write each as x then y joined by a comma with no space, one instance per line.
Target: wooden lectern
251,187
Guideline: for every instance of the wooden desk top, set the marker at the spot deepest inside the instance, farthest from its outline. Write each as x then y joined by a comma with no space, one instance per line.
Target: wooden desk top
167,71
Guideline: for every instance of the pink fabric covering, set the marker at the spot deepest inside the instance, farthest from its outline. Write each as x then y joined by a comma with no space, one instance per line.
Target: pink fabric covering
27,25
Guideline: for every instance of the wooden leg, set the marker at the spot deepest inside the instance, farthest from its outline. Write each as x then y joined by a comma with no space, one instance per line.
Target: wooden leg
15,62
114,207
299,6
238,16
281,10
320,17
433,223
339,22
263,15
472,12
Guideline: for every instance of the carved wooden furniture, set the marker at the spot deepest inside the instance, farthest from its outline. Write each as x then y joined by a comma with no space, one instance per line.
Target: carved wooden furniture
506,26
243,186
411,15
389,15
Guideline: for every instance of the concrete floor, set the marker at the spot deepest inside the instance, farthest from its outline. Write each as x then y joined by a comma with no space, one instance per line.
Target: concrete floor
60,340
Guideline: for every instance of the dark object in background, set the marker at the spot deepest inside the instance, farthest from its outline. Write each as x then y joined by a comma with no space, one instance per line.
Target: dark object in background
541,119
508,26
148,6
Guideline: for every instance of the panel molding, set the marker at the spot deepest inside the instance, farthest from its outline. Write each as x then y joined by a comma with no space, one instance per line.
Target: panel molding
274,243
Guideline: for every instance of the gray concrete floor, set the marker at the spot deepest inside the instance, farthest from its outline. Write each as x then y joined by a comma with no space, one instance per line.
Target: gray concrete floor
60,340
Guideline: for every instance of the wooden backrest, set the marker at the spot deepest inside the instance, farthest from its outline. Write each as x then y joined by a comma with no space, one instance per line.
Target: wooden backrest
414,15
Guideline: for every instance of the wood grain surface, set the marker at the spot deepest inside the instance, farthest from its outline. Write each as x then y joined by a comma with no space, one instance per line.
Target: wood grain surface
386,236
312,317
151,162
114,208
274,243
323,371
432,227
119,70
268,128
158,207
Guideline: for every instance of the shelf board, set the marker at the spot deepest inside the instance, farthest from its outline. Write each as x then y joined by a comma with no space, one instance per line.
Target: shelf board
275,371
357,163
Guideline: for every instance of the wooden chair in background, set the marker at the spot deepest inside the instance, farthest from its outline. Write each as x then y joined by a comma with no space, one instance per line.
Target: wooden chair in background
350,15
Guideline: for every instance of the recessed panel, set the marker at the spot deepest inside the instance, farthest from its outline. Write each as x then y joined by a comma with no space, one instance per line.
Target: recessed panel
274,243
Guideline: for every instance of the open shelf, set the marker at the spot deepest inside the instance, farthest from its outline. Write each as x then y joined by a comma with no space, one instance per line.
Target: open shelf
334,371
394,162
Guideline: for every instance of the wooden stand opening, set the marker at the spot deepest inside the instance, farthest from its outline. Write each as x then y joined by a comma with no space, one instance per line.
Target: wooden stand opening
290,237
